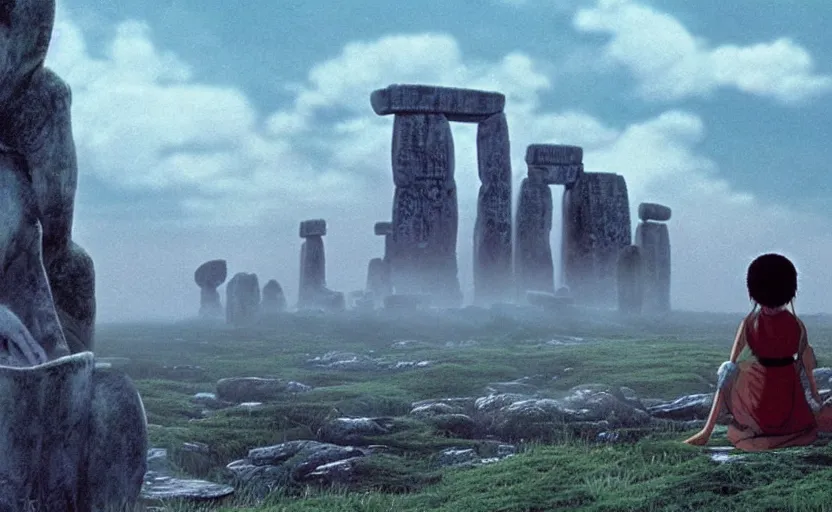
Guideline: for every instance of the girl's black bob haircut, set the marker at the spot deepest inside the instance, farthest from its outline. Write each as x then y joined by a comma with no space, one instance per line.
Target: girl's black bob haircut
772,280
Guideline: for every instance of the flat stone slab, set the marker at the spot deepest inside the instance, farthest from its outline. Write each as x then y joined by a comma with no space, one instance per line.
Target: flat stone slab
383,228
465,105
567,174
654,211
313,227
553,154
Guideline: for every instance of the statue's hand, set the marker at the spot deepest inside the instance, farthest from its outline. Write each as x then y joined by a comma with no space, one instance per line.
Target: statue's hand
17,346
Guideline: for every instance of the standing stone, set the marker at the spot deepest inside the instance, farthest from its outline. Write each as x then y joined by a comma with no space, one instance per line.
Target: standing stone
208,277
378,270
596,226
492,230
653,241
425,217
242,299
533,265
312,292
630,281
274,301
422,252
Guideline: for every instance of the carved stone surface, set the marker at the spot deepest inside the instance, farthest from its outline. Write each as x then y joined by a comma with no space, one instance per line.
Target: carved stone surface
533,265
630,280
25,290
274,300
653,241
208,277
242,299
35,121
596,226
423,149
313,227
423,245
492,230
466,105
87,451
653,211
553,154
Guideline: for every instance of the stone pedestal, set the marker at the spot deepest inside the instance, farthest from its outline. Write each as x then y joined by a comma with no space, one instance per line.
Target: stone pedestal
73,437
208,277
312,292
653,241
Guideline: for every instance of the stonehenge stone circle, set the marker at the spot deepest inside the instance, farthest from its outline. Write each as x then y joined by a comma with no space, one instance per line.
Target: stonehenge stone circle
312,292
208,277
274,300
422,252
35,122
653,211
533,266
242,299
630,280
596,226
653,241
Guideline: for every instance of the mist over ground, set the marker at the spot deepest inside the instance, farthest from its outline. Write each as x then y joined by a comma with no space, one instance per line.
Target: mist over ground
176,167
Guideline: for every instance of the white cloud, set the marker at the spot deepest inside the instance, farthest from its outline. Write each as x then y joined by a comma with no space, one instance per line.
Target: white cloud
671,63
243,180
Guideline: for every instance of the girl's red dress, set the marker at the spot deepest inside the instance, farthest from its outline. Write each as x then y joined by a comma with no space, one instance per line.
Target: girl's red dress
767,399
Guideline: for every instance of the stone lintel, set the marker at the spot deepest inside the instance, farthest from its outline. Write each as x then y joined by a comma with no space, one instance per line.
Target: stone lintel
566,175
312,227
654,211
383,228
461,105
553,154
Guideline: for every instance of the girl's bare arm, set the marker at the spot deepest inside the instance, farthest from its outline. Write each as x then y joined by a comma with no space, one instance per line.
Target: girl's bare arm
739,343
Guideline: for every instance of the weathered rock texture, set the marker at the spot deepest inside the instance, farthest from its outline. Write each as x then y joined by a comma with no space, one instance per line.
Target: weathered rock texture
274,300
422,252
242,299
72,437
596,226
555,163
312,292
35,121
630,280
653,241
533,266
208,277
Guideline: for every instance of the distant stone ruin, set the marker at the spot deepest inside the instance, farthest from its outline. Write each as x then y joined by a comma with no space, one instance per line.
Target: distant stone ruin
242,299
208,277
653,240
312,292
273,298
378,270
422,254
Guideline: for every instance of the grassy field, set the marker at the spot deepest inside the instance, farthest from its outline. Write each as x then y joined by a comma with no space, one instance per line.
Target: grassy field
468,350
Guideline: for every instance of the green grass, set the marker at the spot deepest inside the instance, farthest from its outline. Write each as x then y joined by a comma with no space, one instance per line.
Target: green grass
655,472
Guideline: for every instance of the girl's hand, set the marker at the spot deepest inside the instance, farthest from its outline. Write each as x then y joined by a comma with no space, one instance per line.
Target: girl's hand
700,439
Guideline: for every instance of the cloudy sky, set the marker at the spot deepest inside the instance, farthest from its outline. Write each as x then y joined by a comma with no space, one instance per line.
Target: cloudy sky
205,130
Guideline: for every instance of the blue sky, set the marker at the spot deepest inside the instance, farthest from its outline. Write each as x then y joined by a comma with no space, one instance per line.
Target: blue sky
207,131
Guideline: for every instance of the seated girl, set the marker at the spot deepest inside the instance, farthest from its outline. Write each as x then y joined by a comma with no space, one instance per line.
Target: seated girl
772,396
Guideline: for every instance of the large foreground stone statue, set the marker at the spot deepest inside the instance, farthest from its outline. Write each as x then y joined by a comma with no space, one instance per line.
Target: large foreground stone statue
72,437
